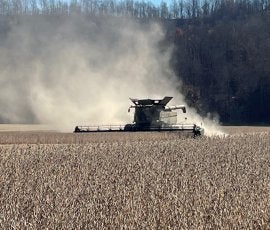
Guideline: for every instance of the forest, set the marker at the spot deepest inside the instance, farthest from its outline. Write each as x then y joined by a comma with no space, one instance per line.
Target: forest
221,48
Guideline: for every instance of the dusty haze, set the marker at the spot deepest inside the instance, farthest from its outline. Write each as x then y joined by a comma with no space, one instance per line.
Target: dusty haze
81,71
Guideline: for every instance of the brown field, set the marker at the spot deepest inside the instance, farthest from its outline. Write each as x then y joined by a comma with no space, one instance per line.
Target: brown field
51,180
245,129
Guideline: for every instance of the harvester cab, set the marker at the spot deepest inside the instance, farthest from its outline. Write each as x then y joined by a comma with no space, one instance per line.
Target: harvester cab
154,113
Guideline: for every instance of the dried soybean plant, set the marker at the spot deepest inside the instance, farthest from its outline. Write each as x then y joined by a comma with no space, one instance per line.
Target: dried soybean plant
136,182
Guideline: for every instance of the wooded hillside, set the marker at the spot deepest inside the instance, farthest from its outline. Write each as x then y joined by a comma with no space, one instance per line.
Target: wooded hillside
221,48
225,66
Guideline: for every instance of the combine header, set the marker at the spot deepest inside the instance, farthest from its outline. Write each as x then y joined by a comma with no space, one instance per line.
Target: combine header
150,115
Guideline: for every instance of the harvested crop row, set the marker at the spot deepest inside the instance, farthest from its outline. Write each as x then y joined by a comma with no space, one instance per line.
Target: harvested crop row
83,138
206,183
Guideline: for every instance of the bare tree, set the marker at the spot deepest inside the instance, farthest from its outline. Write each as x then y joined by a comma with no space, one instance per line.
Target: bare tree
175,9
164,10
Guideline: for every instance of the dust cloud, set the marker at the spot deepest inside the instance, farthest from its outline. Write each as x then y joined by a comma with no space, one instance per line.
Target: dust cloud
81,71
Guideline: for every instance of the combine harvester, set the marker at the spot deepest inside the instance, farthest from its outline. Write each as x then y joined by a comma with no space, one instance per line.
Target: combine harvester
150,115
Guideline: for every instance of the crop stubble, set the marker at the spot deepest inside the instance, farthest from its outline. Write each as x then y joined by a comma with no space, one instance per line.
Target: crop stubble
134,181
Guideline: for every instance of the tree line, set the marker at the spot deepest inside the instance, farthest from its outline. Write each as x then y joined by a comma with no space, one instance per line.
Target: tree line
132,8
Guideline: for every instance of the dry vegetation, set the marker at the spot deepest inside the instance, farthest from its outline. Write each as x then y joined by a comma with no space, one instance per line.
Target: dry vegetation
134,181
